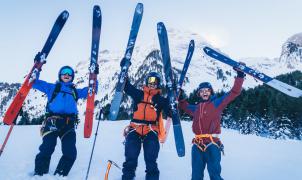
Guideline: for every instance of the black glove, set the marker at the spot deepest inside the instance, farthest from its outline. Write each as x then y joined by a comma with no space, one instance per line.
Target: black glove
156,98
38,57
123,62
96,70
182,95
240,73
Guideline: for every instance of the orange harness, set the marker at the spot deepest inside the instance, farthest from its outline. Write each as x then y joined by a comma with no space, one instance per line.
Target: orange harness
199,142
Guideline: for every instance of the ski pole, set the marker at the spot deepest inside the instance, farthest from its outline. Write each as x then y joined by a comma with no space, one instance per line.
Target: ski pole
110,162
101,115
6,138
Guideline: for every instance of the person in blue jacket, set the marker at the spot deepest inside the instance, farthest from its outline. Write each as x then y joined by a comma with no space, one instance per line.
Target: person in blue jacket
61,119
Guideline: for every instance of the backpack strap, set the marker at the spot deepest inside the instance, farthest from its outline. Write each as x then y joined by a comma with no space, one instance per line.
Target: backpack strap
58,89
54,94
75,93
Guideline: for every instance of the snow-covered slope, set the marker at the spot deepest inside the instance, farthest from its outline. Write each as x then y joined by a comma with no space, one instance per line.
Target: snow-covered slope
247,157
146,58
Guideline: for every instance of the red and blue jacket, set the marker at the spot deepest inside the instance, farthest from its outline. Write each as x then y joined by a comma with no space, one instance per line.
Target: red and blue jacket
207,115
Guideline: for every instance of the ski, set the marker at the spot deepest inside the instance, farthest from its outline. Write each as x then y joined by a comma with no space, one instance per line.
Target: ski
171,89
186,66
274,83
96,32
181,80
18,100
118,96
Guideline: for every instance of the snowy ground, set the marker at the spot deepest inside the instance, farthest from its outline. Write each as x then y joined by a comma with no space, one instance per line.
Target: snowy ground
247,157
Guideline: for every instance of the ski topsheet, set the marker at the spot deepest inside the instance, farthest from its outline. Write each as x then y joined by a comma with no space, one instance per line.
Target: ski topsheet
96,32
274,83
181,80
186,66
118,96
171,89
16,105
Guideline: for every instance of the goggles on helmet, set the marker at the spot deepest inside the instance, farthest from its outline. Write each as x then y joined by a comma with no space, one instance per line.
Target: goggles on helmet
152,80
66,71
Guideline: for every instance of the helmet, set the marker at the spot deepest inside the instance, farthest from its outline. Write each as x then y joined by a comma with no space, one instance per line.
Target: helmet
66,70
205,85
153,77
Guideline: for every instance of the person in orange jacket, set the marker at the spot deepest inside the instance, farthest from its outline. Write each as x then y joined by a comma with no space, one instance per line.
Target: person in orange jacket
146,126
207,147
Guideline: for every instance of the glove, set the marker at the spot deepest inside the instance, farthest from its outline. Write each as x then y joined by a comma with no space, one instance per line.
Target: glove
123,62
240,73
38,57
181,95
96,70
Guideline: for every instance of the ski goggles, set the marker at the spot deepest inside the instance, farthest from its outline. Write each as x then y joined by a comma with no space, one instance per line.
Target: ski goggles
66,71
152,80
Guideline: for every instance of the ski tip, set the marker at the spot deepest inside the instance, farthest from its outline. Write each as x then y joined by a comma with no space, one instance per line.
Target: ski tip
206,49
96,8
139,8
160,27
64,15
97,11
192,43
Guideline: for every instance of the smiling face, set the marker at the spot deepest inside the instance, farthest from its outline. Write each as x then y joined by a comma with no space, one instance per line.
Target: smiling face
66,78
152,85
205,93
66,74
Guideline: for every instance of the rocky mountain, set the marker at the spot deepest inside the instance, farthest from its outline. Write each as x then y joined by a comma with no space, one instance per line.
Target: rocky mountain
291,54
147,58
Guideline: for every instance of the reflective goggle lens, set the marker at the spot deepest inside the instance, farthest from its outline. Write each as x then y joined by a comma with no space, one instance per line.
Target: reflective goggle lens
152,80
66,71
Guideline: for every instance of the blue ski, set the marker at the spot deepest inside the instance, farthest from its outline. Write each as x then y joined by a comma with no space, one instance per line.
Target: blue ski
274,83
118,96
171,89
186,66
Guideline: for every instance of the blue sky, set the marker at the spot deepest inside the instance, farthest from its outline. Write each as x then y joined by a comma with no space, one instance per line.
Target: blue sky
241,28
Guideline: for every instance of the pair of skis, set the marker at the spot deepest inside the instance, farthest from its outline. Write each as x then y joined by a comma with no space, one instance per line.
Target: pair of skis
180,81
173,90
14,108
274,83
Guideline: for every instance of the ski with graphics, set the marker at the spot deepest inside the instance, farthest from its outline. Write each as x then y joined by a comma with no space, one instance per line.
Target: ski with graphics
274,83
181,80
186,65
118,96
171,88
16,105
96,32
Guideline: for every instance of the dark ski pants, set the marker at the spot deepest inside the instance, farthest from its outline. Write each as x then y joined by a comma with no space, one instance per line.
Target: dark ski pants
68,140
132,150
211,157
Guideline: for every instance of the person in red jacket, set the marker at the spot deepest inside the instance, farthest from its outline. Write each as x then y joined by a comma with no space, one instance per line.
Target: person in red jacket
207,147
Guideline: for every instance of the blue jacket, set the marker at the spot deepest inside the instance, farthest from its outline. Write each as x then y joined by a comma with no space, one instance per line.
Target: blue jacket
64,102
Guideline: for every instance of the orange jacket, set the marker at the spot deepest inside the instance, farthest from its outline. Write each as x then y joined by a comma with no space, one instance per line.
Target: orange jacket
148,105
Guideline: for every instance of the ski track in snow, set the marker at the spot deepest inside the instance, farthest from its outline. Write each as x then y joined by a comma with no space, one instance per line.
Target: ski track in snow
247,157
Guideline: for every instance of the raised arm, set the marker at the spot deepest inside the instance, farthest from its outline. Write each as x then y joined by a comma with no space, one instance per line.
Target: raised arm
44,87
223,101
